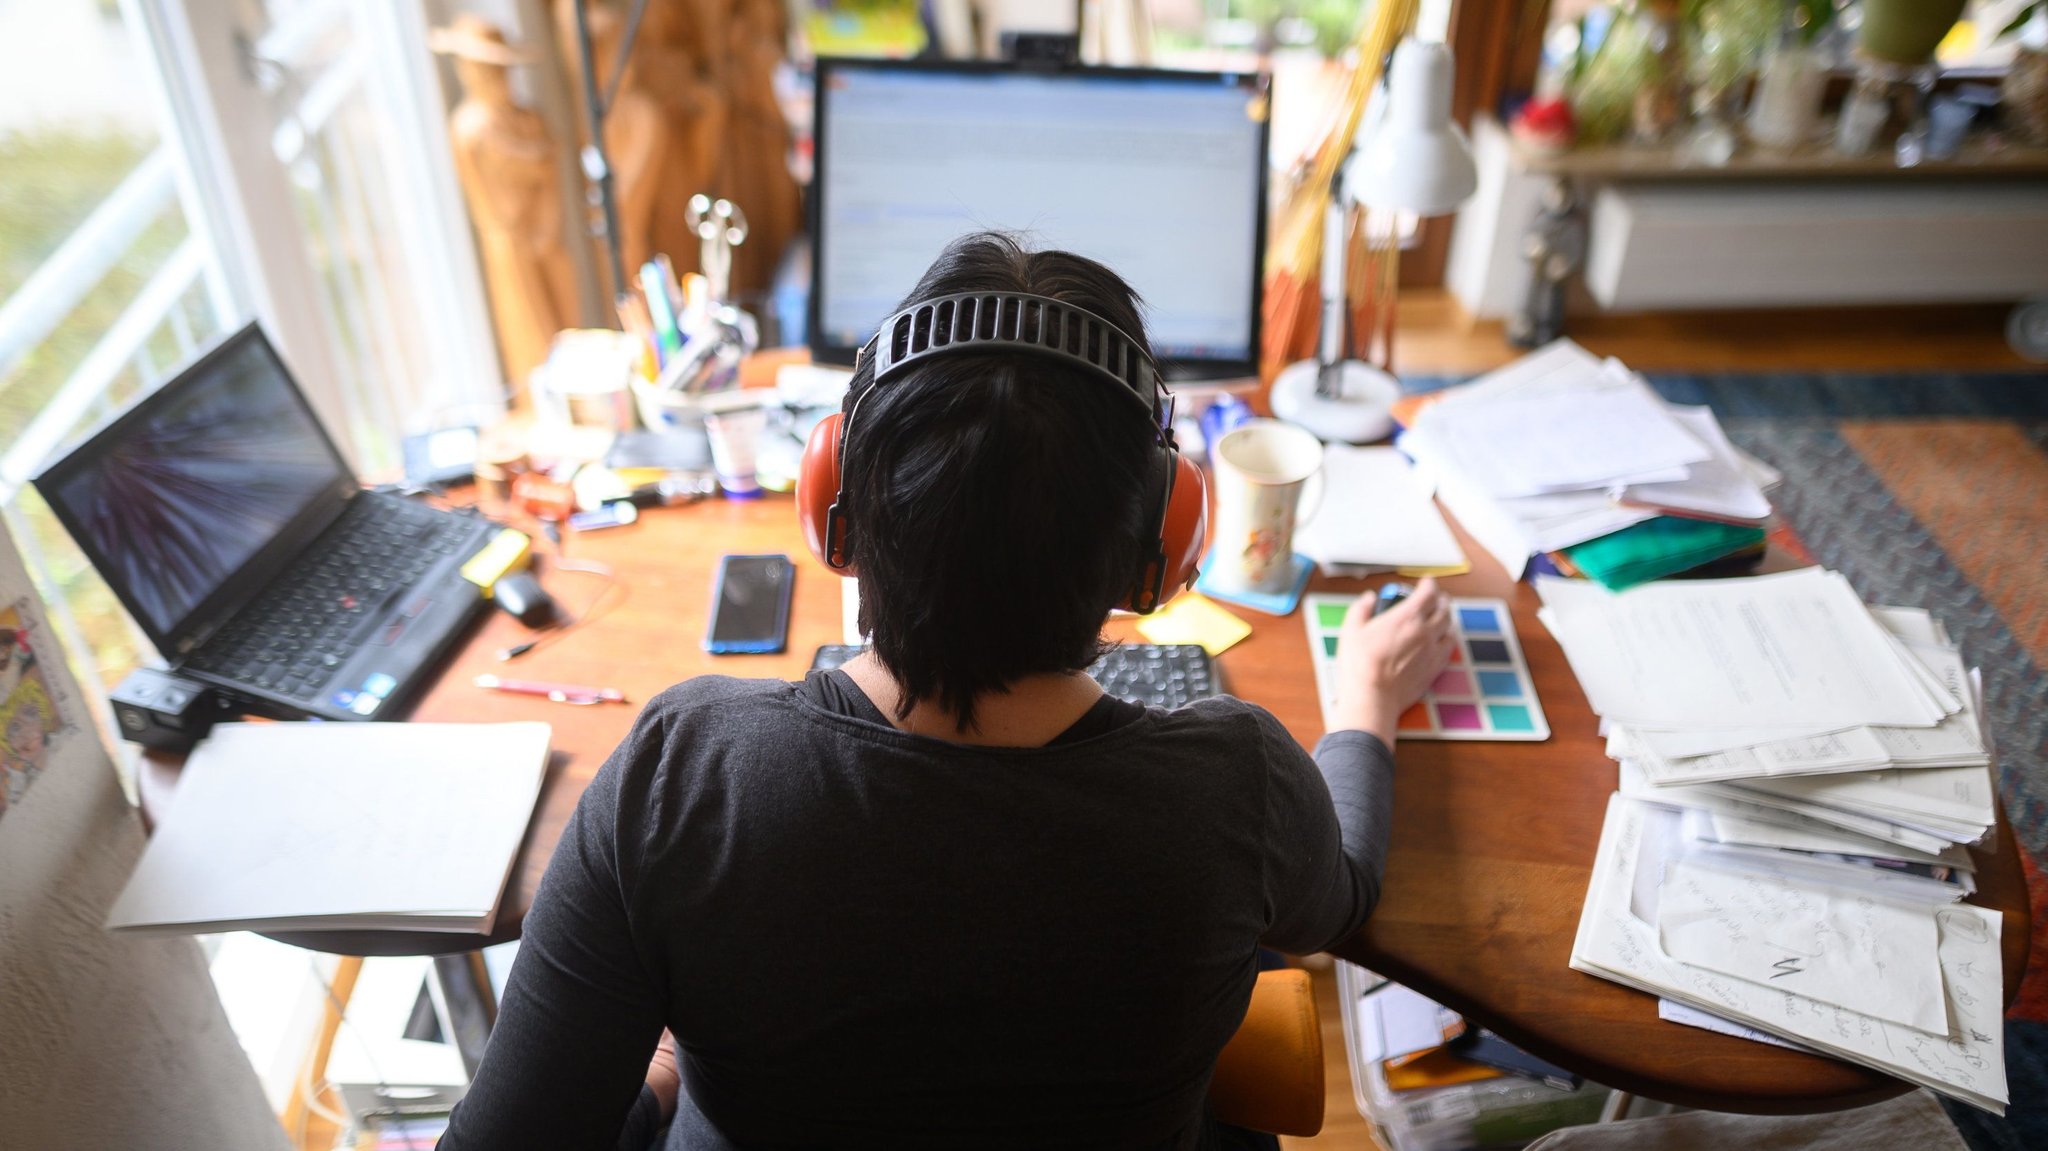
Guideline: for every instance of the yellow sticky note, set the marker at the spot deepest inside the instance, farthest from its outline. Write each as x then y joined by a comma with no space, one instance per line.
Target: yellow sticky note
1192,619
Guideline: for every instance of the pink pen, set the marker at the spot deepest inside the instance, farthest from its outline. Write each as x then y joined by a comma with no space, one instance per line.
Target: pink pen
575,693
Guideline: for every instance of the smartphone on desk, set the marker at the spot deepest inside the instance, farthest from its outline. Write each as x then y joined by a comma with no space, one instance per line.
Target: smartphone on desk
750,605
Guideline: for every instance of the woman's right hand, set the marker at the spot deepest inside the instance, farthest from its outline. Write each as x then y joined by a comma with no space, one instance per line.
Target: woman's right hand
1386,662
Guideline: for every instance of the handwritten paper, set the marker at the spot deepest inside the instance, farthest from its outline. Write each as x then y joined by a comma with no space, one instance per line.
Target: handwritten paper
1850,950
1676,1012
1967,1062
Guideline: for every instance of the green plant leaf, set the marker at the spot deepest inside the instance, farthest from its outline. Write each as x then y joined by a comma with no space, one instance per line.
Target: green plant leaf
2019,21
1816,16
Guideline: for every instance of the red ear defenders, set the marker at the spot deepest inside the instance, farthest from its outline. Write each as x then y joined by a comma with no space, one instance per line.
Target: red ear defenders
978,323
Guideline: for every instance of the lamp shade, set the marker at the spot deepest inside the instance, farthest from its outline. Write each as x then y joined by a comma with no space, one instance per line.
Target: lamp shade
1417,160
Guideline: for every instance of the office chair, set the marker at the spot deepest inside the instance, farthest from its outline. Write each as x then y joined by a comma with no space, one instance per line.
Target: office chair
1269,1077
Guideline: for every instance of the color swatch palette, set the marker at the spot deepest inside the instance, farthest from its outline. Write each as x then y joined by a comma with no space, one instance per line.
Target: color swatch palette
1485,693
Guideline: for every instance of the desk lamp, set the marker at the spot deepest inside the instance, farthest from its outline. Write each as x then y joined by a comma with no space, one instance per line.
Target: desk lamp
1413,159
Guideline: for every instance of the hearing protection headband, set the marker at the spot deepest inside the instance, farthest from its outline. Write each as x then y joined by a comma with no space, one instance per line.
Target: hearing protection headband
980,322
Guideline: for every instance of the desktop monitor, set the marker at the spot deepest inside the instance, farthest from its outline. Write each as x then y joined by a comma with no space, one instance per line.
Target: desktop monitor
1160,175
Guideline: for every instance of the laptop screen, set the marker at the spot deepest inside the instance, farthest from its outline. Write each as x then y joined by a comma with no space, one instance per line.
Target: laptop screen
186,488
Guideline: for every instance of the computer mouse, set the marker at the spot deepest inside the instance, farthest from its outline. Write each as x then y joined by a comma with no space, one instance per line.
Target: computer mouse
522,597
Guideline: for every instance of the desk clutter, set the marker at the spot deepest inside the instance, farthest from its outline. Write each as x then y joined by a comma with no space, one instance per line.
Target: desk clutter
1785,859
340,827
1428,1079
1564,463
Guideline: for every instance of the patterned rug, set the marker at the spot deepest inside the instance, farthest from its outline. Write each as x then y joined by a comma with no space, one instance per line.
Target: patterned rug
1932,490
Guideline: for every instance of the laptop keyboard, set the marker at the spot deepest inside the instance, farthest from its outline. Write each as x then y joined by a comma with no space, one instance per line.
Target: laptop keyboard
308,622
1156,675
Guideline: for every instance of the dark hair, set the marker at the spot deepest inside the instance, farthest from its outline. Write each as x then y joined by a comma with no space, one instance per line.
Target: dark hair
995,502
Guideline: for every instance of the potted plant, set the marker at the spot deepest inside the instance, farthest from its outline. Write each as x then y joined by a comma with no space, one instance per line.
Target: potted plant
1905,31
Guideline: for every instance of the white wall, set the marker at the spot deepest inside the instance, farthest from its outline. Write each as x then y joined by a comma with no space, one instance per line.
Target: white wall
105,1041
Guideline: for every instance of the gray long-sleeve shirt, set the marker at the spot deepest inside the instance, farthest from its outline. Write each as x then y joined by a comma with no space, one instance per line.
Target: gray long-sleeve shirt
862,937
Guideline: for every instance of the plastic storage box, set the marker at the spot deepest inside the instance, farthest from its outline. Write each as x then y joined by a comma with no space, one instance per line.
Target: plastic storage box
1494,1115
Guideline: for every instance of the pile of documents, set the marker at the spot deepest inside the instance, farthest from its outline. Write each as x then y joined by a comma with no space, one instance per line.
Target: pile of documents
1785,860
1561,447
340,826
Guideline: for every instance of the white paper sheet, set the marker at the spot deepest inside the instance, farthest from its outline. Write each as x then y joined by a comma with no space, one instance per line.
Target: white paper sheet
1961,795
1791,649
1856,749
1727,799
340,825
1969,1063
1694,742
1853,951
1717,487
849,614
1376,511
1754,833
1410,1021
1673,1011
1607,433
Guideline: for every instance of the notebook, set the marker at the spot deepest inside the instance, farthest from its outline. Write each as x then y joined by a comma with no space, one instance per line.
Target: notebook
223,517
317,827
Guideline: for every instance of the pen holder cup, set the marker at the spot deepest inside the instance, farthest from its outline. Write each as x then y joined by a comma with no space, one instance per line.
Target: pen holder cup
664,410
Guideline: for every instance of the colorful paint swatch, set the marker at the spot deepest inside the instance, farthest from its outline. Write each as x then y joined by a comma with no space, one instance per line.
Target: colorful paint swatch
1452,683
1488,650
1510,717
1478,619
1459,717
1486,692
1500,684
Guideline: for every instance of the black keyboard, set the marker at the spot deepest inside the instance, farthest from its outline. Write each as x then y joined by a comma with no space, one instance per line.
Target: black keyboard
1156,675
308,622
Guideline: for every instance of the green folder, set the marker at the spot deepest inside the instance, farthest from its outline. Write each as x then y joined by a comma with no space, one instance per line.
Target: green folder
1657,548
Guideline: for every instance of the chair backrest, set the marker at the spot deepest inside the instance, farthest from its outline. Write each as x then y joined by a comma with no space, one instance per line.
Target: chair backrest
1270,1075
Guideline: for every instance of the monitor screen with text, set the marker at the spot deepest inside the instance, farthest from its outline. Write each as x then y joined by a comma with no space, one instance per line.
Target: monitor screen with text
1159,175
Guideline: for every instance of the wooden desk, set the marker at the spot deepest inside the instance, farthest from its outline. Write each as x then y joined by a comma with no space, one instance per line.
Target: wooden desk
1493,842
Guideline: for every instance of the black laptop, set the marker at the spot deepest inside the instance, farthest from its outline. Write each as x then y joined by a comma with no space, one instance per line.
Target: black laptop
222,515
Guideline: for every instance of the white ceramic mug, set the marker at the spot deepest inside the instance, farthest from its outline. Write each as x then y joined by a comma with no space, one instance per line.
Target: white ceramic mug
1262,469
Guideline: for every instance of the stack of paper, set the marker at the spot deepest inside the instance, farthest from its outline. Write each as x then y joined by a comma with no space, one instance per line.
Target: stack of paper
340,826
1561,447
1798,774
1376,516
1782,700
1907,988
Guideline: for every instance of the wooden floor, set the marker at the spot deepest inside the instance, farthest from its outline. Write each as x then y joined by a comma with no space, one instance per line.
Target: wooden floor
1437,338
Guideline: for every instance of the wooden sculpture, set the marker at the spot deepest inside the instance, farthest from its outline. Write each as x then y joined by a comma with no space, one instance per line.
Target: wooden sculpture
676,55
710,66
506,162
639,143
756,173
